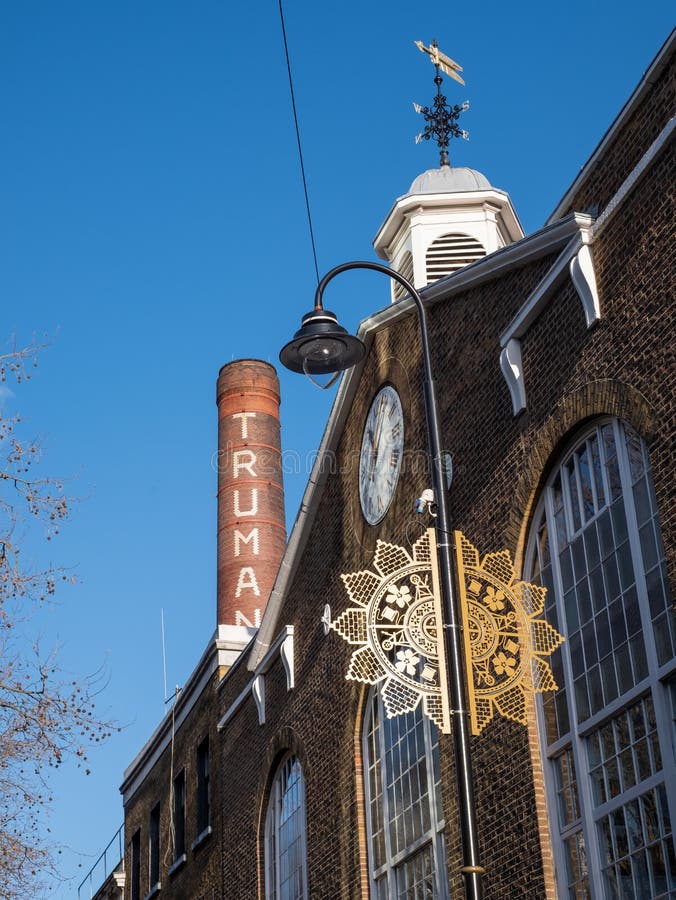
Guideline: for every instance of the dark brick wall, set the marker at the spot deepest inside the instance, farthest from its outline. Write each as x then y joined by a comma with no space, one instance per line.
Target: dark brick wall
623,366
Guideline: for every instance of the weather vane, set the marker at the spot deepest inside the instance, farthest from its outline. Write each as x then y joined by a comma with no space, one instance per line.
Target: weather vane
442,119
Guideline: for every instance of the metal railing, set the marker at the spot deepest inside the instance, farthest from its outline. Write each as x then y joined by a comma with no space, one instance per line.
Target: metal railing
105,865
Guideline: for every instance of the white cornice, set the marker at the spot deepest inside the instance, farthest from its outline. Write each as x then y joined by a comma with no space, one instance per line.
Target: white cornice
576,259
405,207
534,246
530,309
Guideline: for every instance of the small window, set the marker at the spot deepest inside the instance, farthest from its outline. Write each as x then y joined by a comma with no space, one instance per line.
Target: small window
136,865
179,815
203,798
285,857
154,847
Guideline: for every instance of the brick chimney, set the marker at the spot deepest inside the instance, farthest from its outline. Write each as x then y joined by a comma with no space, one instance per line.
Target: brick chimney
251,529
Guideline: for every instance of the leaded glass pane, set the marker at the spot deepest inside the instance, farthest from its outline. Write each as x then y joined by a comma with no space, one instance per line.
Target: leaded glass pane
572,491
607,650
381,892
569,811
415,876
637,848
585,484
597,469
576,867
611,463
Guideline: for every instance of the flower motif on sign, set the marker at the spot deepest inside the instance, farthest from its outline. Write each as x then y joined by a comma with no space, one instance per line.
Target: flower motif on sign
504,665
407,661
394,620
399,595
494,600
506,643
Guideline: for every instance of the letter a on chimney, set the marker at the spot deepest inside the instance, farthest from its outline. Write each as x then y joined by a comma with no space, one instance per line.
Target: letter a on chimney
247,580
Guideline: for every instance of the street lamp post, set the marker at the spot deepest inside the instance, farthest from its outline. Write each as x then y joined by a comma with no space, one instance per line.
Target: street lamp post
322,346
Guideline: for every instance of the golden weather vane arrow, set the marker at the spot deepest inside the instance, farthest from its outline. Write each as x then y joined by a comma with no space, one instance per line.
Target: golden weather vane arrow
445,63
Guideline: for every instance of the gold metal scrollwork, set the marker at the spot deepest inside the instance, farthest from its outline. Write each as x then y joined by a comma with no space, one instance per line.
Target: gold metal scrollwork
506,643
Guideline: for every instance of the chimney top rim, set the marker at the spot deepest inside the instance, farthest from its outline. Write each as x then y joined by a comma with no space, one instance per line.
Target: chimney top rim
247,360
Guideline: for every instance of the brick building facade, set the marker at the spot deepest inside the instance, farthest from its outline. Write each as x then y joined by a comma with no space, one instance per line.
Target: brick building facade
554,362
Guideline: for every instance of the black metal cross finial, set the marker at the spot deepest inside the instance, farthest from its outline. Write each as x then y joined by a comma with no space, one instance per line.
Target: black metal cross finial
441,118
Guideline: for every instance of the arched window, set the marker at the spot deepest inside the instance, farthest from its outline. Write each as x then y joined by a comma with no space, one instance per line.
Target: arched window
285,839
607,733
403,805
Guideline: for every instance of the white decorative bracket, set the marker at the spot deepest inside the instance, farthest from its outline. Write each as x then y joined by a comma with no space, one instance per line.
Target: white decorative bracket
258,691
577,259
510,363
286,652
584,280
282,647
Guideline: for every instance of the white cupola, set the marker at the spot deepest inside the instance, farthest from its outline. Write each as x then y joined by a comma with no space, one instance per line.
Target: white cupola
449,218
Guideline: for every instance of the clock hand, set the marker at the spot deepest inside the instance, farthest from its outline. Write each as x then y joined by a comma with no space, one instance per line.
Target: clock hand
376,437
372,466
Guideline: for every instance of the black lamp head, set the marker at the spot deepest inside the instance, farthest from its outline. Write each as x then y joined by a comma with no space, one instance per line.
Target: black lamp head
321,346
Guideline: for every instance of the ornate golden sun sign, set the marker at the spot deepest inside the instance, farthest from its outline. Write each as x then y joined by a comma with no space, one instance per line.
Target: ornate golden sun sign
506,644
396,623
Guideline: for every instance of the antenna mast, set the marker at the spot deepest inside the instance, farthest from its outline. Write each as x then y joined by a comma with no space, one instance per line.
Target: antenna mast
164,657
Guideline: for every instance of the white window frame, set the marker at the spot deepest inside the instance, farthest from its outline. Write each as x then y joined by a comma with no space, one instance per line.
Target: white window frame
386,873
656,685
274,890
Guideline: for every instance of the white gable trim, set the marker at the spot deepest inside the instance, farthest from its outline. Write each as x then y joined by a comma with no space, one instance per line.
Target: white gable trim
637,172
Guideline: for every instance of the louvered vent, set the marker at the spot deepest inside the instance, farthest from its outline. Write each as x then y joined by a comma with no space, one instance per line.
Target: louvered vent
451,252
404,268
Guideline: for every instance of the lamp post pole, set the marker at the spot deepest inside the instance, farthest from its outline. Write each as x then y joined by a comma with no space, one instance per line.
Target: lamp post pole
453,642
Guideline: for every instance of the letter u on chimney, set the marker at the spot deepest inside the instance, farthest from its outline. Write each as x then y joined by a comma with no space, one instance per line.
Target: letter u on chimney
254,504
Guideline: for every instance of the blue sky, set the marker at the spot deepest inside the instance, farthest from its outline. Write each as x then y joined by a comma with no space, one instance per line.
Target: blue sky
152,223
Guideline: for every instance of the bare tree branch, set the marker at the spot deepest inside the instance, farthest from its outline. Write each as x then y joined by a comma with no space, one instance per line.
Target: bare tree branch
46,717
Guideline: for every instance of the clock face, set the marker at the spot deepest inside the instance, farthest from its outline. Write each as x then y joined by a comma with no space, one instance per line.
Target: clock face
381,453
